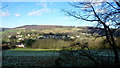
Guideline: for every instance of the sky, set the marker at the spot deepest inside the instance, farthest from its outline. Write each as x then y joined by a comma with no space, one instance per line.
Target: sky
14,14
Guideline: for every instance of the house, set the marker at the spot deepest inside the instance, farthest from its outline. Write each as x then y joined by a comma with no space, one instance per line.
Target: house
20,45
55,36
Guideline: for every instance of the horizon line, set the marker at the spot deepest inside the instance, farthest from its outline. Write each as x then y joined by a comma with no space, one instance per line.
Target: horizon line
44,25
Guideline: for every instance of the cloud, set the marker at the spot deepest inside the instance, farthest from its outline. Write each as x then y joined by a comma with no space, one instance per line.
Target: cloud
98,1
66,18
42,4
17,15
40,12
4,13
108,23
1,26
118,15
97,4
101,10
94,1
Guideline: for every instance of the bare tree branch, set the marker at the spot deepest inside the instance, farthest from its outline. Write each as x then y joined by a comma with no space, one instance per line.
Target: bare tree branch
117,2
101,17
113,6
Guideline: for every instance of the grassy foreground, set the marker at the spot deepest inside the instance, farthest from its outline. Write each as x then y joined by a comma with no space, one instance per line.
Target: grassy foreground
29,49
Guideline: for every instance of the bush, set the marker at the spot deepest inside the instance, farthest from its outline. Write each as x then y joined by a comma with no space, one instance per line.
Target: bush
117,42
50,44
5,47
99,43
28,42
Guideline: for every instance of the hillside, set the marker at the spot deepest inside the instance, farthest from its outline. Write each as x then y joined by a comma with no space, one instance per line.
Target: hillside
35,36
56,29
4,29
40,27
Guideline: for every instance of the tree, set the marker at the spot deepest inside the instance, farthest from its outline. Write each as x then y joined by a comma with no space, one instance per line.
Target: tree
13,39
104,14
28,42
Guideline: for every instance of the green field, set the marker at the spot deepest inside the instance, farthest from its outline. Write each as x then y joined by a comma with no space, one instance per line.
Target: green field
47,57
29,49
41,58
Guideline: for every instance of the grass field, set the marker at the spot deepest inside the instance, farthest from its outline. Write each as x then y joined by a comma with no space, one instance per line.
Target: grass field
47,57
29,49
40,58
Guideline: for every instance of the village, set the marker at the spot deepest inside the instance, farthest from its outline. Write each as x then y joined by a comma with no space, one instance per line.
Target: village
18,40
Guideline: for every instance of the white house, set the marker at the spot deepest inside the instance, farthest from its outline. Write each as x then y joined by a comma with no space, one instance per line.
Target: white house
20,45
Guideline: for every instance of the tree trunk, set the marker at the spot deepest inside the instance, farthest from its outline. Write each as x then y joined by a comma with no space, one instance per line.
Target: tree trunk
111,41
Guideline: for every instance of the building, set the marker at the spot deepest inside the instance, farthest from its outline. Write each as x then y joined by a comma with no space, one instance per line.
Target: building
55,36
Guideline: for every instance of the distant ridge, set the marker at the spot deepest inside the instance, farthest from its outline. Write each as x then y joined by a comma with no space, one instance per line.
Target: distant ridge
38,27
4,29
41,26
86,29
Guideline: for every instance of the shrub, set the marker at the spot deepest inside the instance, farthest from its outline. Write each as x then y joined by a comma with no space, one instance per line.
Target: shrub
28,42
99,43
5,47
50,44
117,42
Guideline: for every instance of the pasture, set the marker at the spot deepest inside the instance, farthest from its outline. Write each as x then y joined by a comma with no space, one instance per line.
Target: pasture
48,58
